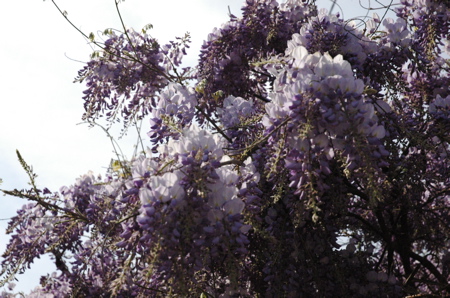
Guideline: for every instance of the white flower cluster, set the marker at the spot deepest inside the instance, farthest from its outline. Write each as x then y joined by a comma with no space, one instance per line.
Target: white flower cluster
234,109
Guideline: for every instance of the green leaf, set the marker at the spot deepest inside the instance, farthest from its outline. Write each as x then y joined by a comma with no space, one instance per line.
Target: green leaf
370,91
95,54
91,37
218,94
147,27
108,31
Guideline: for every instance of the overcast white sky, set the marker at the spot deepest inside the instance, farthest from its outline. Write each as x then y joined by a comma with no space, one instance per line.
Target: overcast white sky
40,106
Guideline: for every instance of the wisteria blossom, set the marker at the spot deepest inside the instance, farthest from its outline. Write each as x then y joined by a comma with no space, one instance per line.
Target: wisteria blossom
305,156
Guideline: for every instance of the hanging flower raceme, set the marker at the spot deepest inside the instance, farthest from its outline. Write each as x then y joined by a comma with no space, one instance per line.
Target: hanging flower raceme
34,228
328,114
124,77
190,210
174,110
240,121
327,33
234,109
230,56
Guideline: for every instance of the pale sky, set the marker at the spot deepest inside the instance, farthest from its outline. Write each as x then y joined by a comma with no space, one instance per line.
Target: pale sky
40,106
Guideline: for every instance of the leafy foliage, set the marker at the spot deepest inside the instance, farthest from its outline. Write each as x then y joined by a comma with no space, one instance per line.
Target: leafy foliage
304,156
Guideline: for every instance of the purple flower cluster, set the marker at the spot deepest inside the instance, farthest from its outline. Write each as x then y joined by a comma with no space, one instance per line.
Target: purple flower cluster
190,214
329,117
175,109
239,120
234,109
123,79
327,33
229,58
